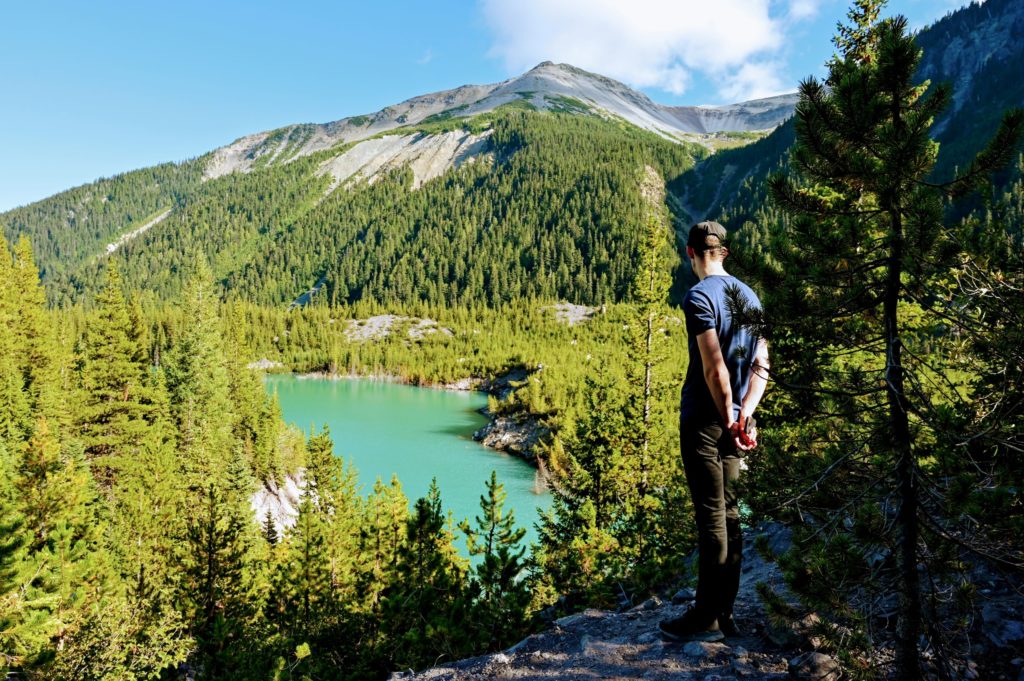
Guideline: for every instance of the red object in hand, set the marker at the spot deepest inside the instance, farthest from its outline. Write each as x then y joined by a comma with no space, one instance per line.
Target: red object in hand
744,433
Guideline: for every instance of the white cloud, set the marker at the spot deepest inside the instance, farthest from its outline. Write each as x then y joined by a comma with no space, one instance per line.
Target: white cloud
754,80
802,9
427,57
649,43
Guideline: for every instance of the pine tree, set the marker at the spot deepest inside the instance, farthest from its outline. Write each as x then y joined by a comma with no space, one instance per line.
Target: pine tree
213,592
503,594
324,471
197,382
381,538
62,514
14,406
270,529
24,606
302,598
113,413
37,352
148,514
652,519
579,552
424,607
852,283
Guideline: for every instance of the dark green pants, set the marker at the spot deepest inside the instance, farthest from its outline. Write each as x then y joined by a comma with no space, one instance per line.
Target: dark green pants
712,467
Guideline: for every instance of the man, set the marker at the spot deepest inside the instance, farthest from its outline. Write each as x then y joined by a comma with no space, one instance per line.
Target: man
725,380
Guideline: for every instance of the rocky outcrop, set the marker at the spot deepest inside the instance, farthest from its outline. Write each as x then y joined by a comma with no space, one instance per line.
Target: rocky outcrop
138,231
598,644
281,500
757,114
572,314
381,326
518,434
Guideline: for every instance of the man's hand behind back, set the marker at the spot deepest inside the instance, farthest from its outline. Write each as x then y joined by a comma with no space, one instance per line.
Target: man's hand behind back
744,433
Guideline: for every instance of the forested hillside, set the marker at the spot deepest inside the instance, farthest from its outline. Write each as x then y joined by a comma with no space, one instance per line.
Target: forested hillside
549,211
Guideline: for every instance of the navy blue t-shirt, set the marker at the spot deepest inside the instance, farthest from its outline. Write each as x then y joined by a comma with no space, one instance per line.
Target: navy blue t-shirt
706,308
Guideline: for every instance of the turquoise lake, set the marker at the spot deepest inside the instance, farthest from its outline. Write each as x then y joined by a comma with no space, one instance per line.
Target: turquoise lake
417,433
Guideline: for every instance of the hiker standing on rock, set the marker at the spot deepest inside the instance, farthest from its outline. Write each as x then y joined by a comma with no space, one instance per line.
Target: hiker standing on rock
725,380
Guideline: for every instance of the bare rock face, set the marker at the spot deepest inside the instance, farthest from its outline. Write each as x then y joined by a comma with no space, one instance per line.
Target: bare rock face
280,500
428,156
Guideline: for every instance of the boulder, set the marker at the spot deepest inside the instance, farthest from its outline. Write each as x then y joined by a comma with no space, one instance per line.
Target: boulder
814,666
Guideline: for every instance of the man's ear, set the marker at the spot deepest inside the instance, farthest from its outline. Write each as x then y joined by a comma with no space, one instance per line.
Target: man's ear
690,253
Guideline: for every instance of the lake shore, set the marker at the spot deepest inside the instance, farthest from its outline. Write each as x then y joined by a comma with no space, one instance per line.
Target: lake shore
519,435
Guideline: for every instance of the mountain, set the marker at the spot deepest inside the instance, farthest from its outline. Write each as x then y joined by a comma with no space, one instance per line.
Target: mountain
535,186
977,50
532,187
546,87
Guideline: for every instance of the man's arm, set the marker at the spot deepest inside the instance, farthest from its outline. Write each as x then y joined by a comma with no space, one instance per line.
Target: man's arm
716,374
758,381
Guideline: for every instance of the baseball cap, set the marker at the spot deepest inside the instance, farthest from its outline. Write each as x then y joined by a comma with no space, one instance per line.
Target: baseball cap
700,232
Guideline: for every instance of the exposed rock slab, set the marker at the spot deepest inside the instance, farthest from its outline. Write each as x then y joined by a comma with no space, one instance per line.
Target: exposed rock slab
280,500
572,314
513,434
264,364
381,326
428,156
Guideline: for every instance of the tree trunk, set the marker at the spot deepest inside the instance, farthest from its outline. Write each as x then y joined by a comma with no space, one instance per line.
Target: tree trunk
908,627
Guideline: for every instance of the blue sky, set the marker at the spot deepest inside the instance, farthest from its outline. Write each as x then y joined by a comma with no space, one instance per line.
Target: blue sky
90,89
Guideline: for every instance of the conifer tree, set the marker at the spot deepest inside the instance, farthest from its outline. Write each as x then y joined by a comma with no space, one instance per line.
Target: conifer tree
148,519
653,518
424,607
213,592
381,538
270,529
14,405
849,284
302,603
498,580
63,517
37,352
197,382
332,485
581,553
24,606
113,414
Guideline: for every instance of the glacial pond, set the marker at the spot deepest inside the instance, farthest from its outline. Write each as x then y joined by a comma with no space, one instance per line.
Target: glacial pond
417,433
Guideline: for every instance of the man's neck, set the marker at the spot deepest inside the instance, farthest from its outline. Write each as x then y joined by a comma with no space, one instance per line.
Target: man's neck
710,268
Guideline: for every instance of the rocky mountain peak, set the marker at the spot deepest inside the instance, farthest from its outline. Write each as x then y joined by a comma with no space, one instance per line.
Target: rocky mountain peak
547,87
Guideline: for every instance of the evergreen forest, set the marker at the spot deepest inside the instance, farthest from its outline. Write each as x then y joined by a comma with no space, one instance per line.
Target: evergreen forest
882,226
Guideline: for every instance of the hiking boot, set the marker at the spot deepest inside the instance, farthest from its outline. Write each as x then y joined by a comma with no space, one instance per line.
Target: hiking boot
727,625
689,628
